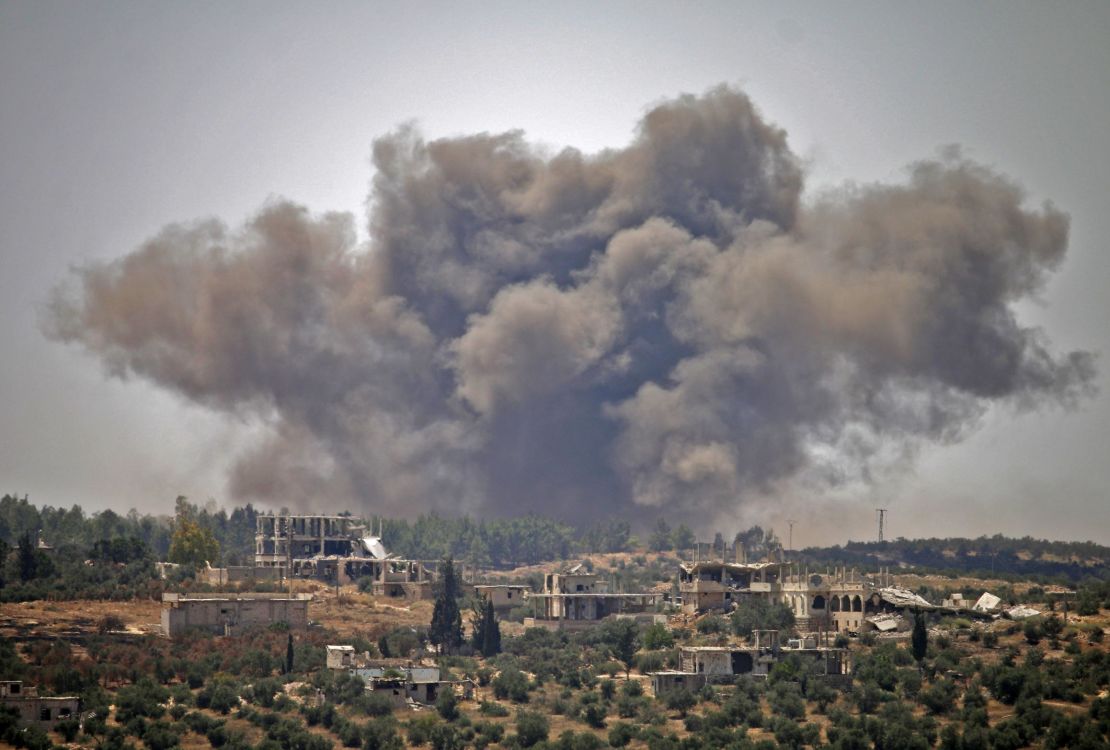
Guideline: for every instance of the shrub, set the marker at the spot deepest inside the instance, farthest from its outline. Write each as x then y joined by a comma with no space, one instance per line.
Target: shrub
657,636
420,728
759,614
531,728
940,697
381,734
621,733
711,624
681,700
489,708
68,728
511,684
594,715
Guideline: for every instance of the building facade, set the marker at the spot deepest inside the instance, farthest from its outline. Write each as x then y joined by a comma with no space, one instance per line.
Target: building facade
230,614
574,600
43,710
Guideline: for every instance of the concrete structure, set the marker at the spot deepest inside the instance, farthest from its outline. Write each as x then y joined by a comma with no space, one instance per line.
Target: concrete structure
405,579
233,574
341,657
229,614
503,596
756,659
706,585
337,549
406,682
301,546
574,600
45,711
668,680
838,600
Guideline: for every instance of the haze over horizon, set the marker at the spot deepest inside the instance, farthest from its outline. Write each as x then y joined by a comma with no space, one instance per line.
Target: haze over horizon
589,280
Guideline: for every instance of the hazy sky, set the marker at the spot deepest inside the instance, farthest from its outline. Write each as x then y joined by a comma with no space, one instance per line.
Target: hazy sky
120,118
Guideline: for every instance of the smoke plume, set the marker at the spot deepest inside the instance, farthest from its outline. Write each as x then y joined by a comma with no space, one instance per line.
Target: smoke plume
668,324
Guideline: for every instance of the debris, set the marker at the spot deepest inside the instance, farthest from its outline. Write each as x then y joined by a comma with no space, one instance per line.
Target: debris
888,623
1021,612
988,602
900,597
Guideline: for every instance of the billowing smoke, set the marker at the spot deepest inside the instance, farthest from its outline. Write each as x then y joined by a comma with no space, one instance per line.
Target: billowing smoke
585,335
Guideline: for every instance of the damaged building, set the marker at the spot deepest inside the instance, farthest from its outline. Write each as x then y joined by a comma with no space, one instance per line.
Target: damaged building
406,683
337,549
706,585
44,710
575,599
837,600
700,665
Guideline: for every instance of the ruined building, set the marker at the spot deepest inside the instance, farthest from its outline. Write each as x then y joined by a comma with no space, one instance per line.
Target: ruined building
404,682
575,600
315,546
707,664
706,585
46,711
837,600
337,549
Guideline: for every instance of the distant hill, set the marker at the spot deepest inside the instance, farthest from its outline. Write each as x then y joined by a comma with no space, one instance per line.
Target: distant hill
995,556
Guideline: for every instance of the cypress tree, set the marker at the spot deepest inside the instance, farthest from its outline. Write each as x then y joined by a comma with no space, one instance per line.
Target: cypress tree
289,656
28,558
446,629
920,637
491,632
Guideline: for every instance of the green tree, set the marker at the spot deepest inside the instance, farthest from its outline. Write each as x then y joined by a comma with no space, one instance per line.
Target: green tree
919,639
192,544
657,636
486,638
623,639
681,700
446,629
760,614
660,539
683,538
289,654
531,728
28,559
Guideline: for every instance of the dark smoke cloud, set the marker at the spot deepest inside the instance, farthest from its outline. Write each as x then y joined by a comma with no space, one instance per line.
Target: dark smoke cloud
583,335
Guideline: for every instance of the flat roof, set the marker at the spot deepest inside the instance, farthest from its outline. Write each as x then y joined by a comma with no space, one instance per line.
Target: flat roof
592,595
500,585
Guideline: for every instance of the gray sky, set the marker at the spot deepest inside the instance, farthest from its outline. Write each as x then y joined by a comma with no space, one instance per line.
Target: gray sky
119,118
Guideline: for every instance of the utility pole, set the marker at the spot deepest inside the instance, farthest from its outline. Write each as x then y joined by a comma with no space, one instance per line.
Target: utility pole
882,517
790,535
289,550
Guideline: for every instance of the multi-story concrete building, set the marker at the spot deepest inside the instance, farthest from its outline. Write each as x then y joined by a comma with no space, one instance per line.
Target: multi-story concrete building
575,600
716,584
310,546
228,614
701,664
837,600
337,549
